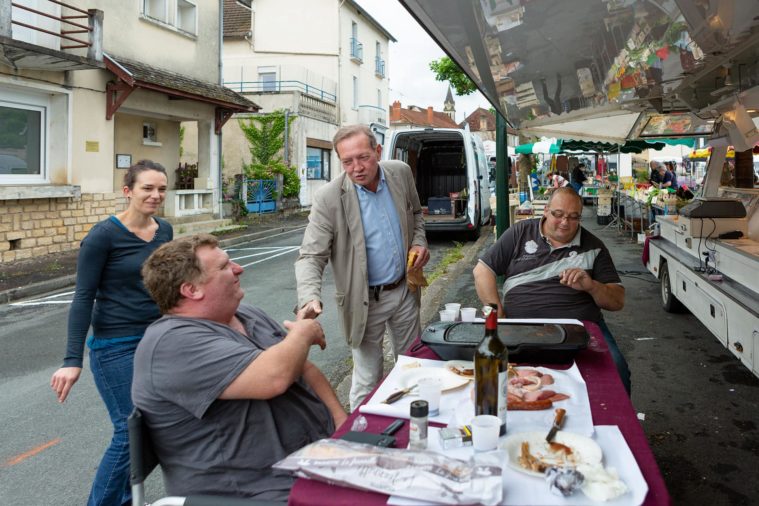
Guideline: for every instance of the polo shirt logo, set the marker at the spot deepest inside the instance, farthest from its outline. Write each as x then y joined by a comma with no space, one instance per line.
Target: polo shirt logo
530,247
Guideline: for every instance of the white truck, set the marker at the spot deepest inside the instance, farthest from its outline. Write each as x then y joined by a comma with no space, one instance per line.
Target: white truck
451,173
707,260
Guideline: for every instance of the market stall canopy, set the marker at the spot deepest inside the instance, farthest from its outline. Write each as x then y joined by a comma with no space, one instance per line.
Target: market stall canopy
607,124
635,146
601,62
560,146
542,147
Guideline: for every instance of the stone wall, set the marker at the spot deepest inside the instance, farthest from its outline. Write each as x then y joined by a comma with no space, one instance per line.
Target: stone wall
37,227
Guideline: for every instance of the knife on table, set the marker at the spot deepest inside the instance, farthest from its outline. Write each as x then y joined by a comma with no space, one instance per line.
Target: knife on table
557,423
397,395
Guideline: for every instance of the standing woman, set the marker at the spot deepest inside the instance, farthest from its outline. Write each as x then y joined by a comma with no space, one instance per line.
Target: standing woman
108,277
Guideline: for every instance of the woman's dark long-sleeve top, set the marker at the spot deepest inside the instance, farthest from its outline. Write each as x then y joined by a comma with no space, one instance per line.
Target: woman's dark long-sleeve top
108,278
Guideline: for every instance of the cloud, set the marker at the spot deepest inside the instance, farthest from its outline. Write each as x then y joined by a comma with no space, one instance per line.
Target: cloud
411,80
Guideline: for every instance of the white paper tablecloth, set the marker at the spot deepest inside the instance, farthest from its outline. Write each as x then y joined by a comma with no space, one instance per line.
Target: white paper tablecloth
400,409
520,489
457,408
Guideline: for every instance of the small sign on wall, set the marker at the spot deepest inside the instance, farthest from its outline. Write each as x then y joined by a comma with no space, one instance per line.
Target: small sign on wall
92,146
123,161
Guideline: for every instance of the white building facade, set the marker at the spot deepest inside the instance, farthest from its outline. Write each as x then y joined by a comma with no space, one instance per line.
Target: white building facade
324,61
76,110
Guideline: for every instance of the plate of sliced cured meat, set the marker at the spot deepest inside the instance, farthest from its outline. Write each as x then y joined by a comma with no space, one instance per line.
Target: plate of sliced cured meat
531,389
533,392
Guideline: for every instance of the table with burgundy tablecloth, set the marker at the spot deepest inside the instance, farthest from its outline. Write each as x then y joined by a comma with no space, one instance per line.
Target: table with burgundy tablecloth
609,405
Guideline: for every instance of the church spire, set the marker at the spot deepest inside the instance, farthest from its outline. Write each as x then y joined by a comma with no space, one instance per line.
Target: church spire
449,106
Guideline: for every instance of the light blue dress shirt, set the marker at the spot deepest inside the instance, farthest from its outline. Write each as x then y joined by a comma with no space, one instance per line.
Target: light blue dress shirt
385,255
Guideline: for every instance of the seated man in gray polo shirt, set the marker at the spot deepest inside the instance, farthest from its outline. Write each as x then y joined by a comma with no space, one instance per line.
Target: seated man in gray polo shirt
225,391
554,268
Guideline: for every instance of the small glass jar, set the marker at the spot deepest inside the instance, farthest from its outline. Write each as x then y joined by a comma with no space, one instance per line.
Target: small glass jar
417,433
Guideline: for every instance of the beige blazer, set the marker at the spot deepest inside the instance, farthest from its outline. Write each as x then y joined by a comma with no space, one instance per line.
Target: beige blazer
335,233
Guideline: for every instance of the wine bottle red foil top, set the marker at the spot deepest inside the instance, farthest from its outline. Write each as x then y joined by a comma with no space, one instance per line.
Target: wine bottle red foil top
491,317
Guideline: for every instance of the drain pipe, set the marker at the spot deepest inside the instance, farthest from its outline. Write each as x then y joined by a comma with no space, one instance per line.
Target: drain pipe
287,137
220,183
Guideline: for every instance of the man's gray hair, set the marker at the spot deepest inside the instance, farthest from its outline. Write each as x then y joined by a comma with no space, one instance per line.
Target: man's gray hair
350,131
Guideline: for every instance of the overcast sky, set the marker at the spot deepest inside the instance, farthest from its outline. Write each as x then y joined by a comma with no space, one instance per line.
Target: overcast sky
411,80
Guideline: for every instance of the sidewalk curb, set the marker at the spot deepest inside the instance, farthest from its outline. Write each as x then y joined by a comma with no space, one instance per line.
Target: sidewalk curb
23,292
429,304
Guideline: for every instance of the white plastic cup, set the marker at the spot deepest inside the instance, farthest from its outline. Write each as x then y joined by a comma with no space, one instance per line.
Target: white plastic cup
430,390
468,314
454,306
485,430
447,316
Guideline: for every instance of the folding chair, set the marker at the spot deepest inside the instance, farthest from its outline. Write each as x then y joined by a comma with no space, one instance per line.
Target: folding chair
143,461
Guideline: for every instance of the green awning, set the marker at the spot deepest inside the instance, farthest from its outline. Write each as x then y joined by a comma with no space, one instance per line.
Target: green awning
636,146
542,147
682,141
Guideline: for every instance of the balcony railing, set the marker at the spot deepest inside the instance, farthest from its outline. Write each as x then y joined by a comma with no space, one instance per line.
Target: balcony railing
379,67
72,34
372,114
280,86
357,50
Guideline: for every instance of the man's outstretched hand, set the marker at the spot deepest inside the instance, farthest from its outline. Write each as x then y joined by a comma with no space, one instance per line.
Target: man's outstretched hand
310,310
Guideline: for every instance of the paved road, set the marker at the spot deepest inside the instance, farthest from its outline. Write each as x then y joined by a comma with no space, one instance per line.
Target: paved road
49,452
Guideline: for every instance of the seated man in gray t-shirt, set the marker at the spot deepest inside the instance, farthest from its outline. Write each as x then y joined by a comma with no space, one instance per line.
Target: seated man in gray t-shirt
224,390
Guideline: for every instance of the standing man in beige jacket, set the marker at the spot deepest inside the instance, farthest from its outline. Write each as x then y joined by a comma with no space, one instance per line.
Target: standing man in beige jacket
365,221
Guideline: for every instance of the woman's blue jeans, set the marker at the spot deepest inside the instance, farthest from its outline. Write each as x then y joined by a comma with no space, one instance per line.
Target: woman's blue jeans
112,369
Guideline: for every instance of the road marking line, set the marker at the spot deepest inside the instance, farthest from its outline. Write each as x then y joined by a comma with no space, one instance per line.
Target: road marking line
257,248
44,300
31,453
40,303
294,248
285,249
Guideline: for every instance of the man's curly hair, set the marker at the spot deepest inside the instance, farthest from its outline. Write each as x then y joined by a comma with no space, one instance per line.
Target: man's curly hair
172,265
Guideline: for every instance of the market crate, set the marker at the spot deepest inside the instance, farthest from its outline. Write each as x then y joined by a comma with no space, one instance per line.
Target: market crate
604,210
604,200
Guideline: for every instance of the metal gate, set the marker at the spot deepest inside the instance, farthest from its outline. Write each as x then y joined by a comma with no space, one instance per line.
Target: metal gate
259,195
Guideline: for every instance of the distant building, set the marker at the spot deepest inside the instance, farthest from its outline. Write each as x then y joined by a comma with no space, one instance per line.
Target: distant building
482,122
417,117
323,60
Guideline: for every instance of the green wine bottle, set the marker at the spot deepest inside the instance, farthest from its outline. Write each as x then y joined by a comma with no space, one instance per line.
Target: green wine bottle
491,363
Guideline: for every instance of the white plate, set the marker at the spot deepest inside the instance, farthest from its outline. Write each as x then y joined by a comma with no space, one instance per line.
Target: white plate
585,450
467,364
448,380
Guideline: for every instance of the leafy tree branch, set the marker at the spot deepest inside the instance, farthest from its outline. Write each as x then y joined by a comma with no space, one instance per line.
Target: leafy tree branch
446,69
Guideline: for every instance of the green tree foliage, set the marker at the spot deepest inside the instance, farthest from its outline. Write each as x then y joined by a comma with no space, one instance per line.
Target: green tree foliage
266,135
446,69
181,140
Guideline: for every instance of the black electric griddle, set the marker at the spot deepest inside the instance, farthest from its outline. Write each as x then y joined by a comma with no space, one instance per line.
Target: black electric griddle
527,342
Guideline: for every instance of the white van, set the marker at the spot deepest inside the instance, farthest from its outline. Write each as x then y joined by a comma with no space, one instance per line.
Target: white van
451,173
